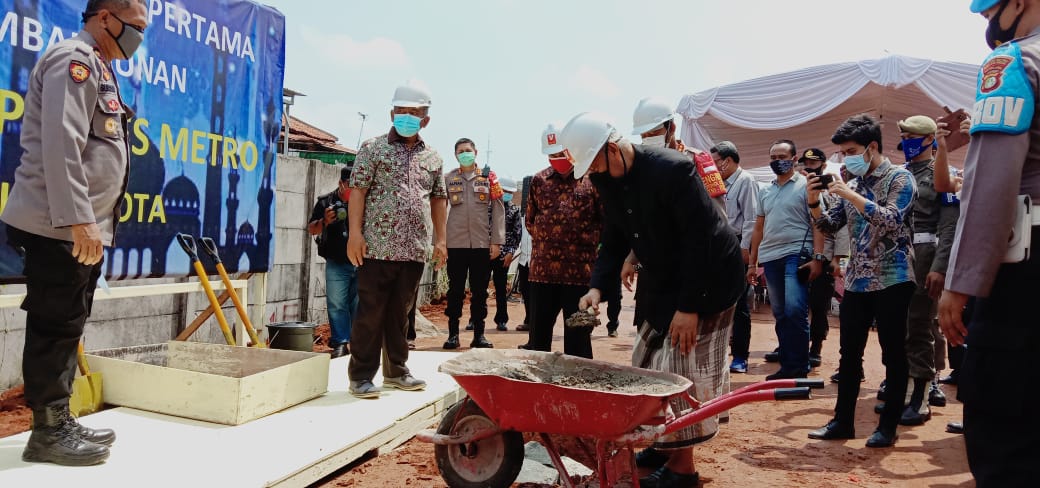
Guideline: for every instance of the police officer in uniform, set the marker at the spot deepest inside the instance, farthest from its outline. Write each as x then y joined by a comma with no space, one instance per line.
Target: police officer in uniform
474,240
934,225
62,211
1002,174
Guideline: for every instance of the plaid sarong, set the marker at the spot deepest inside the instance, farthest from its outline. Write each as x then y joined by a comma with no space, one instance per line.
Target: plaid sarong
705,366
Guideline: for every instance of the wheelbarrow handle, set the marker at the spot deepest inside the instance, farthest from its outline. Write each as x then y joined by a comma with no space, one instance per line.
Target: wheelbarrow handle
799,393
211,248
816,383
187,243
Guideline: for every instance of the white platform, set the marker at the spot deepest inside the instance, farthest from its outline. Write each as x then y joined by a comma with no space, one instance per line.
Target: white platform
292,448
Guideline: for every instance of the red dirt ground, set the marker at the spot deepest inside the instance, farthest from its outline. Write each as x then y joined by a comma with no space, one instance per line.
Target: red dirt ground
764,444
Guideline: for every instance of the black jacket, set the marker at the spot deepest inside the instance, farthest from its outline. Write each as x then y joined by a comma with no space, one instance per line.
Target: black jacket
691,259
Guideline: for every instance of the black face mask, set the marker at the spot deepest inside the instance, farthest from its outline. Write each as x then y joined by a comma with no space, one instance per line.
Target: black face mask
997,35
816,171
604,179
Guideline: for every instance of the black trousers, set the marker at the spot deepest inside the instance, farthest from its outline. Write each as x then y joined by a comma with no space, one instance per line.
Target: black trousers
58,300
820,293
889,307
500,275
614,306
475,264
997,384
740,337
386,298
547,302
524,285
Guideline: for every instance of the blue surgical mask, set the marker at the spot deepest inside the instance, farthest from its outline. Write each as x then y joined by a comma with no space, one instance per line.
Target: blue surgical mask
407,125
781,166
858,165
508,197
913,148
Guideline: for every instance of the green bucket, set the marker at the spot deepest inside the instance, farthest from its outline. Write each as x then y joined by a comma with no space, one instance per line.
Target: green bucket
292,336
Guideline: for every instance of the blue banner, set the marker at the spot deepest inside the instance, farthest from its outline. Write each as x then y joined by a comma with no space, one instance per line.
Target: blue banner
206,86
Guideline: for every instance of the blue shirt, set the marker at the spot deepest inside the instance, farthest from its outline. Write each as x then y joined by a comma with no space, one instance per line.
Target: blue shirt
882,237
786,210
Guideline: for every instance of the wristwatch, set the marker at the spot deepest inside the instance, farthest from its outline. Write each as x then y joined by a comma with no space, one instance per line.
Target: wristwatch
821,257
638,267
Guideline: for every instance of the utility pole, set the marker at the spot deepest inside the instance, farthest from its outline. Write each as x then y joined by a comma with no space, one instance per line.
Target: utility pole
360,132
488,152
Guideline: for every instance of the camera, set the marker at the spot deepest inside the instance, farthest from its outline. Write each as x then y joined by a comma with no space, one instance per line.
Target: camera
826,181
340,208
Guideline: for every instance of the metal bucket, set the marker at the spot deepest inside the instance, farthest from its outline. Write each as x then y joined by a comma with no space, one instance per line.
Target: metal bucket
292,336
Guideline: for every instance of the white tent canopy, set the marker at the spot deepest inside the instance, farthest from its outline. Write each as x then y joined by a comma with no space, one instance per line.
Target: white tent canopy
807,105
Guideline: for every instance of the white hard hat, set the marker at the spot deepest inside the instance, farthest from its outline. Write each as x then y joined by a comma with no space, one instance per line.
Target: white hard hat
584,136
412,94
650,113
551,139
508,184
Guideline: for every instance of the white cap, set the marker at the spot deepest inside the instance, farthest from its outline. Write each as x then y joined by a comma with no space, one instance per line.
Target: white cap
507,184
412,94
651,113
584,136
551,139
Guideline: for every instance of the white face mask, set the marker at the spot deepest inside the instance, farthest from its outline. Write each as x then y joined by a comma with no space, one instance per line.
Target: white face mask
655,141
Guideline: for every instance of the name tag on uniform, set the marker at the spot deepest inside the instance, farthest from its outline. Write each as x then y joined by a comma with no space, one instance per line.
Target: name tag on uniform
482,188
455,187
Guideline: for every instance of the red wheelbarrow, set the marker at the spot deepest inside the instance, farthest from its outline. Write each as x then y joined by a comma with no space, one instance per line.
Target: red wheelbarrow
479,442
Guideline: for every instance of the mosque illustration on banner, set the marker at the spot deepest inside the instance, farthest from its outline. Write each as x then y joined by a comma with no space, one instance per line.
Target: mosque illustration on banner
187,211
142,248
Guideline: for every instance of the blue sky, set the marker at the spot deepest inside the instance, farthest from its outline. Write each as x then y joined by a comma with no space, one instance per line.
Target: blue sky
504,68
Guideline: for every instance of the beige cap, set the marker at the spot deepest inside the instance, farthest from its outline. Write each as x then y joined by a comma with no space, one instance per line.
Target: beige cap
918,124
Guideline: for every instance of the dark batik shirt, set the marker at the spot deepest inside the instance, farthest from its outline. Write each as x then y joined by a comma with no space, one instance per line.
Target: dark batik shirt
563,217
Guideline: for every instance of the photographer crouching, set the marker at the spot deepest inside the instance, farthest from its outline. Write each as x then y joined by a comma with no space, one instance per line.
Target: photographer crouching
329,224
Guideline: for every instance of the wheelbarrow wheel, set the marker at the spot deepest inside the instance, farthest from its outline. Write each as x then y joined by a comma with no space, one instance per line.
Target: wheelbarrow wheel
488,463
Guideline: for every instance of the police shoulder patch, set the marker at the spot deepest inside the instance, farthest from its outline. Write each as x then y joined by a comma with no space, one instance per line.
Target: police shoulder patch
78,71
1005,98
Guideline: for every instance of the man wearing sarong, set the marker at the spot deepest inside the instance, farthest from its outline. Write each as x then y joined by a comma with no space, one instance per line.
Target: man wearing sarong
659,217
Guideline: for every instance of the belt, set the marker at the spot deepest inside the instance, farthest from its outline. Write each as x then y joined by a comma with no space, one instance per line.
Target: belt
928,237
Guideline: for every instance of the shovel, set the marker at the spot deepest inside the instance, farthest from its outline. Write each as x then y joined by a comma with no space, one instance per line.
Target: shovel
211,248
187,243
86,389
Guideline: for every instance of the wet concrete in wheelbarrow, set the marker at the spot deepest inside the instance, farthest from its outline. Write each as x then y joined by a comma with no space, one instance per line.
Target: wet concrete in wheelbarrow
764,444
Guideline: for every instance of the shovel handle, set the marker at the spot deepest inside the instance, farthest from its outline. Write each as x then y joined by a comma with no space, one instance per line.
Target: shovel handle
187,243
81,358
211,248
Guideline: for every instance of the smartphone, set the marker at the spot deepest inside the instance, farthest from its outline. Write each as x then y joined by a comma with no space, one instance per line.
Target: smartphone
956,139
826,180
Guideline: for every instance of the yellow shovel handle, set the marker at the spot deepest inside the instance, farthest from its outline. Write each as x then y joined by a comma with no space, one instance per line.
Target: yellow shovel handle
238,305
204,280
81,358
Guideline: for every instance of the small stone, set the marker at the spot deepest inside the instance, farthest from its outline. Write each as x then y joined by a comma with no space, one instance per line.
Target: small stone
537,473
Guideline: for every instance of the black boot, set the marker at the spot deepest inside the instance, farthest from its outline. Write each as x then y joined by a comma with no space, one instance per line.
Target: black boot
57,438
917,413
